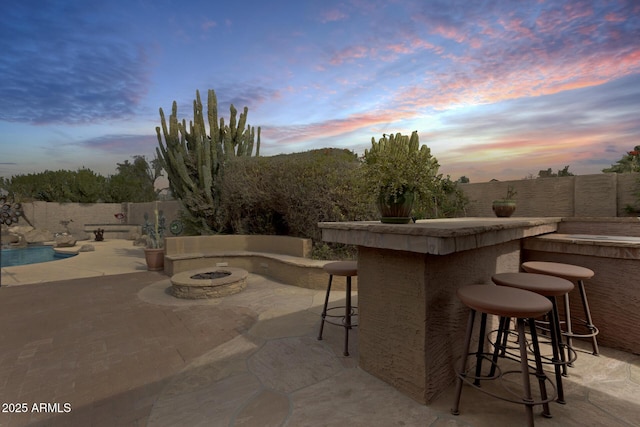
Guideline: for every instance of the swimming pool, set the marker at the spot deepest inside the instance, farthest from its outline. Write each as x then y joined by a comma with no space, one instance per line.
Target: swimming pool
30,255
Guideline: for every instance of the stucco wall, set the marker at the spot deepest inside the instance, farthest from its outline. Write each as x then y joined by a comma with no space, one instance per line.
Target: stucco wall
601,195
48,216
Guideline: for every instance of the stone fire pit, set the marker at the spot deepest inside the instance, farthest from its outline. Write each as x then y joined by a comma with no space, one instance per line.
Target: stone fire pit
213,282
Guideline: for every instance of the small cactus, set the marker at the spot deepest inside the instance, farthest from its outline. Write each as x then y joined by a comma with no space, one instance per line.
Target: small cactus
154,231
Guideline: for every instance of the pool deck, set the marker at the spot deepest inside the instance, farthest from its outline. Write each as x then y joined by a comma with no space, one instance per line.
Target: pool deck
100,333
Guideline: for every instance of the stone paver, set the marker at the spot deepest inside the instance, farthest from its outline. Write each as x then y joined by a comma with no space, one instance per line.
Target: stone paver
93,344
123,352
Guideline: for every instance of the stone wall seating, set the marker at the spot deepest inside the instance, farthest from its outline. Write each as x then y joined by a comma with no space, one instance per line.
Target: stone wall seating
282,258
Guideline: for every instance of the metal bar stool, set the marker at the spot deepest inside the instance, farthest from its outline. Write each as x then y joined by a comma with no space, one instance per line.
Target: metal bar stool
549,287
513,303
346,269
576,274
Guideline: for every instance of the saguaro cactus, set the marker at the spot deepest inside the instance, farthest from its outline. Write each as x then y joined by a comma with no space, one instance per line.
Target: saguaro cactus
194,161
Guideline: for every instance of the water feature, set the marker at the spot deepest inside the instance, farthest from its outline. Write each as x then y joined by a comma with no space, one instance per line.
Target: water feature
30,255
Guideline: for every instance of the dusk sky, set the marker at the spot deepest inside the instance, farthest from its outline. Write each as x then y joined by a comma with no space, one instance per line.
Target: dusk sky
497,89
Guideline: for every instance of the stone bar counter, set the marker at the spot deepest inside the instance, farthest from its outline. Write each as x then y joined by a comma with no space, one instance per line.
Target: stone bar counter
614,291
411,325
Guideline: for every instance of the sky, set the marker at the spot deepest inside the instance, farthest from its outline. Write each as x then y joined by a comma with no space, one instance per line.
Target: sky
496,89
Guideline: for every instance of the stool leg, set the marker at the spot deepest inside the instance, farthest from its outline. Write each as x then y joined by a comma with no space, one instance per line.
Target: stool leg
555,317
587,314
347,317
463,363
479,355
524,366
558,351
567,317
505,336
539,369
501,343
324,310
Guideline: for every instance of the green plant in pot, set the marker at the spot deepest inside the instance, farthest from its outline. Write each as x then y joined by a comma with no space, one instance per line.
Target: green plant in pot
505,207
397,171
154,232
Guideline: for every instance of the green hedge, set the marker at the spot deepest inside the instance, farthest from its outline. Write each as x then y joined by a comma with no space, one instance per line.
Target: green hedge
289,194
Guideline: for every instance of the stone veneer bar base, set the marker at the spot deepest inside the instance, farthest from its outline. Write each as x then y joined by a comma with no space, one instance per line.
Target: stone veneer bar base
412,328
411,325
184,286
613,292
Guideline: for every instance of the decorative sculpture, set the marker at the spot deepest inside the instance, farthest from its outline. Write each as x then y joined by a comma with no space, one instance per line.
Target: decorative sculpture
11,212
99,233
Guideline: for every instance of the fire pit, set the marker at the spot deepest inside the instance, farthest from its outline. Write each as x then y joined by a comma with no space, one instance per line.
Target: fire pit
211,275
212,282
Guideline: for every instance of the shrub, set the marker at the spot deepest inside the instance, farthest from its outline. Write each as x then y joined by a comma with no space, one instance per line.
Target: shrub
289,194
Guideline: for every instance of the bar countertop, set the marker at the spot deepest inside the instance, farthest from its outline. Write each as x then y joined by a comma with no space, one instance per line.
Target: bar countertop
437,236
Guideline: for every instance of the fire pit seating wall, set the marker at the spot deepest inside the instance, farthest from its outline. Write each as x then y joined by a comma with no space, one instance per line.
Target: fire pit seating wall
281,258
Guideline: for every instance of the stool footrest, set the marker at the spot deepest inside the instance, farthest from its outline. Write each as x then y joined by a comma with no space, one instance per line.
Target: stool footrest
594,331
508,351
329,317
508,395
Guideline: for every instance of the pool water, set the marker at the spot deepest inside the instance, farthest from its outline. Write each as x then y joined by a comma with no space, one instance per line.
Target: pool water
31,255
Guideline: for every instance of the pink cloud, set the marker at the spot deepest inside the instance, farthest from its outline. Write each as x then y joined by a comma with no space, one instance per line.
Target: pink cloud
517,26
614,17
384,52
481,79
449,32
335,127
350,53
332,15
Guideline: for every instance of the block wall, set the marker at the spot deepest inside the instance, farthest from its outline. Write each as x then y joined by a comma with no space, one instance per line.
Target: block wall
601,195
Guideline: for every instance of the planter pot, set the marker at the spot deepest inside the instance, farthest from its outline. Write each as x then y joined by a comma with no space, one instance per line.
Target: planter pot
504,208
396,211
154,258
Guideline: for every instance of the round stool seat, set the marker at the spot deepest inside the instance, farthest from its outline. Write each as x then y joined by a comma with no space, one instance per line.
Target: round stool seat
565,271
548,286
503,301
342,268
579,275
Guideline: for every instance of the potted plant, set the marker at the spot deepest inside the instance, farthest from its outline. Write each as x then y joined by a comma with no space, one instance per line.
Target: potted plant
397,172
505,207
154,250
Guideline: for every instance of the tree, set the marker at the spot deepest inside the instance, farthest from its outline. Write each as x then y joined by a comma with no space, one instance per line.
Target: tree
195,161
549,173
447,200
81,186
134,182
630,162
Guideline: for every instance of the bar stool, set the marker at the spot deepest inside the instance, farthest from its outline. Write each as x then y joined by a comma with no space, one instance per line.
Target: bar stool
549,287
577,274
513,303
346,269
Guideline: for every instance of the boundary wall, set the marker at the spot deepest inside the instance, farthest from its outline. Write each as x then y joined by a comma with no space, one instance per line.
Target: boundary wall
50,216
601,195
